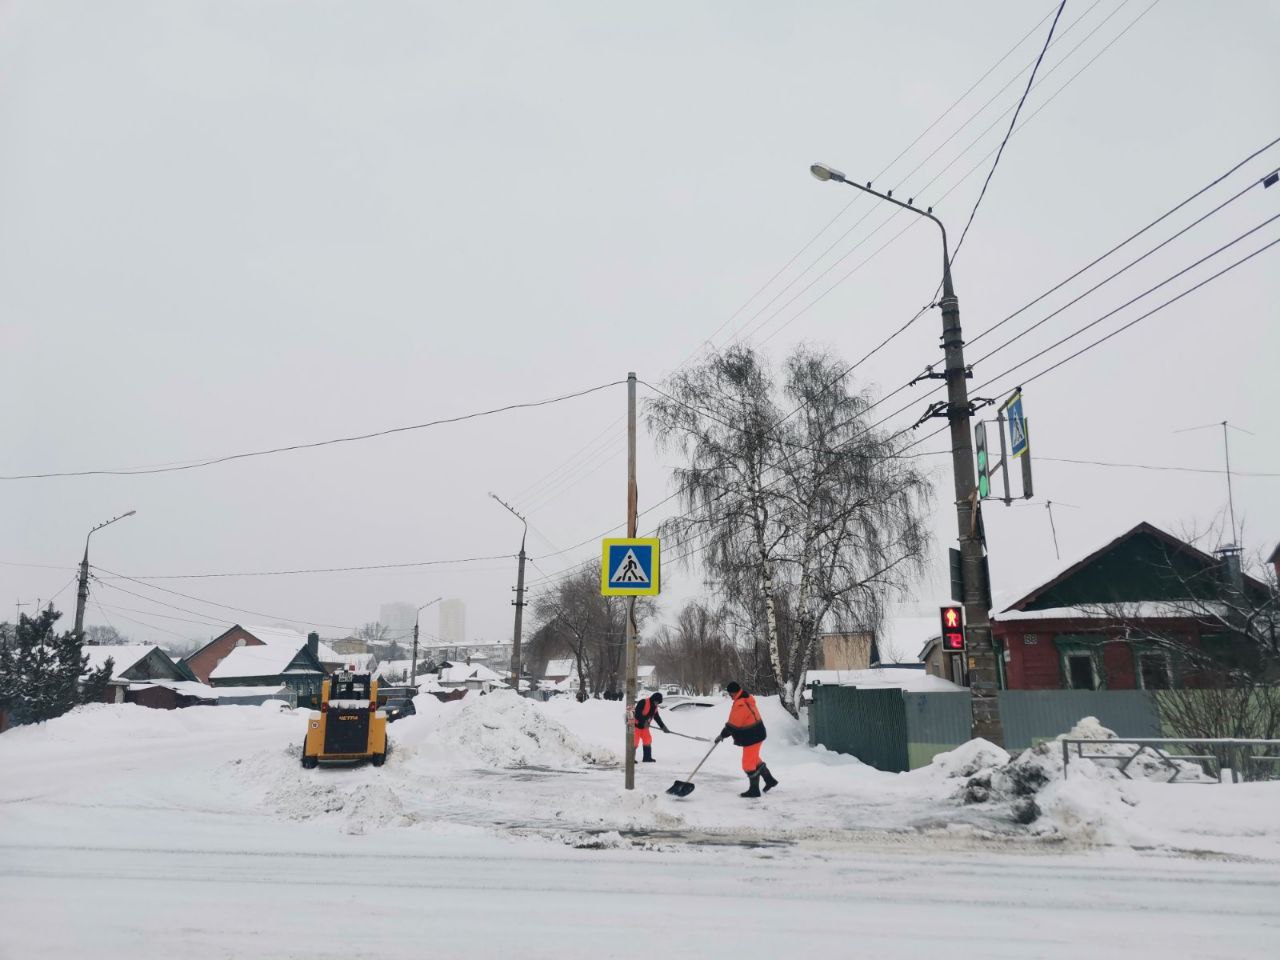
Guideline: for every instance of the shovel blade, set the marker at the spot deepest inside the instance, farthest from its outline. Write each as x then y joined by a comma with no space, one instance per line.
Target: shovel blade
681,788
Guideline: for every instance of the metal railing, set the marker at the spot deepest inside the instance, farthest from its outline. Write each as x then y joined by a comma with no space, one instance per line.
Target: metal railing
1237,751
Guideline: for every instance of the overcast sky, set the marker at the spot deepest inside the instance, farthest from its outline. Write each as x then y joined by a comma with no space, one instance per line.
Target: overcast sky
226,226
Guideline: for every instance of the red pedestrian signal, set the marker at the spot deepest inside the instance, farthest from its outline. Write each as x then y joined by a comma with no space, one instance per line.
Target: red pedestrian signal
952,629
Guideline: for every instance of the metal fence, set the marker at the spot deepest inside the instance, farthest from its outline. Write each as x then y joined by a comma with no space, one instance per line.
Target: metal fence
869,724
1032,716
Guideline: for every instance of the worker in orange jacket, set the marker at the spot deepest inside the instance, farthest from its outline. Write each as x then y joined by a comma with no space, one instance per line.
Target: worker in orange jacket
747,730
647,713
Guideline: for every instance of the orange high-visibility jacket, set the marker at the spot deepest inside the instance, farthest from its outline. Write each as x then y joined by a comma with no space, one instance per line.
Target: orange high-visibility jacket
745,725
646,713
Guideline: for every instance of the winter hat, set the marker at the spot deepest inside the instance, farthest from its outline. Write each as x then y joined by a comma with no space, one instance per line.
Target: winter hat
656,698
733,687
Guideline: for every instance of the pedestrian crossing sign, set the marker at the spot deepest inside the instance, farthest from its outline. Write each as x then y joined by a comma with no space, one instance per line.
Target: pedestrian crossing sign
629,567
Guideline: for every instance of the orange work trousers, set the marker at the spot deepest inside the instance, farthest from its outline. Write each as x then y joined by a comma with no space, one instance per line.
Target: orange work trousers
643,737
751,757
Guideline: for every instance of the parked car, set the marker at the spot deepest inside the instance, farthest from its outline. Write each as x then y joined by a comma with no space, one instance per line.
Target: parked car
397,701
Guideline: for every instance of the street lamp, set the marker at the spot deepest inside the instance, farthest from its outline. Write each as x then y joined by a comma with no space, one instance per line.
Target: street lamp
519,601
82,594
825,173
413,664
982,664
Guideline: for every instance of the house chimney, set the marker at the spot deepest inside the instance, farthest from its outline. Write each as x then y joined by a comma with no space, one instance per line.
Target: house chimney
1232,572
313,644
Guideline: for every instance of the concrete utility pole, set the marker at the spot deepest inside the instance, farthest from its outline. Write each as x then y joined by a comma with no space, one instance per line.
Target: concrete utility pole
959,411
413,663
518,602
82,593
632,497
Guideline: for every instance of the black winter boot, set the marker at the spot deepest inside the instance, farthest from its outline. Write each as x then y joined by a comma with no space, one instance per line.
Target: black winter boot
770,781
754,789
648,754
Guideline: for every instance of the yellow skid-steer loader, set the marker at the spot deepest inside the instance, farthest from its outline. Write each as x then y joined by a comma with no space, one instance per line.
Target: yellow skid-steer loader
349,727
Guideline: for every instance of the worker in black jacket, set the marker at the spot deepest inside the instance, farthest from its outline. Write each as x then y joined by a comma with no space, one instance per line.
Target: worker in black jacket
647,713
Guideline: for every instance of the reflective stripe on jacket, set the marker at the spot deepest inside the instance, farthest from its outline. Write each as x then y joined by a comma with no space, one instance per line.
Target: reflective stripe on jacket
745,725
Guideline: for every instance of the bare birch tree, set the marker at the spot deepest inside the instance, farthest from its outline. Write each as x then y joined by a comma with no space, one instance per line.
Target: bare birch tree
816,506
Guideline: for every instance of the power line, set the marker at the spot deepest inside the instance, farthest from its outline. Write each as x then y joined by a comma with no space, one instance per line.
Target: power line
1045,319
814,239
285,573
317,443
211,603
1157,467
1012,123
1133,236
1139,319
1150,290
940,172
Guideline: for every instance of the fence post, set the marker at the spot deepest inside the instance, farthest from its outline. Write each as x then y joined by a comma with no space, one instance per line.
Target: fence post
1066,759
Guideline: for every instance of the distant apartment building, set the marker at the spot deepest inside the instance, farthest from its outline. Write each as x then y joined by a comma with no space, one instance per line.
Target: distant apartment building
398,619
453,622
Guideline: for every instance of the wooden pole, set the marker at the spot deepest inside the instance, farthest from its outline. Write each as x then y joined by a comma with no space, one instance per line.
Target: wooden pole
630,752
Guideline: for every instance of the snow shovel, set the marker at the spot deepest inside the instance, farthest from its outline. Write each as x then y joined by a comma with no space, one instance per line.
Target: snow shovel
688,736
682,788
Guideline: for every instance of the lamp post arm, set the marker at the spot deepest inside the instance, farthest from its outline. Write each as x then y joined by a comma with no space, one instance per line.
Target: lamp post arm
947,290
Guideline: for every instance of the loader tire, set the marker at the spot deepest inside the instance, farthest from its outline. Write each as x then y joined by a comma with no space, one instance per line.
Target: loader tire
378,759
309,763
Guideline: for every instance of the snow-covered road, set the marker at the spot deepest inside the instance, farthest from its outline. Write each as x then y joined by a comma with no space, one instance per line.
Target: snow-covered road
498,828
316,896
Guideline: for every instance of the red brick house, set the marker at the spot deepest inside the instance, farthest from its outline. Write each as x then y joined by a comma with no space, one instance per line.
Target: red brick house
203,661
1139,613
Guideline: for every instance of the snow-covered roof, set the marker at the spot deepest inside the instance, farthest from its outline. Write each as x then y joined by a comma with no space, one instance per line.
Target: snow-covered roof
188,688
389,668
462,673
910,679
193,688
268,660
644,673
355,662
123,657
558,668
1143,610
275,634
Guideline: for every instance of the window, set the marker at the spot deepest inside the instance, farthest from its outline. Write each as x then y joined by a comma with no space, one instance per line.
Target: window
1155,672
1080,675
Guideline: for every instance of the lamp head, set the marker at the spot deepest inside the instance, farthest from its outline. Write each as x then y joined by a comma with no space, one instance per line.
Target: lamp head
821,171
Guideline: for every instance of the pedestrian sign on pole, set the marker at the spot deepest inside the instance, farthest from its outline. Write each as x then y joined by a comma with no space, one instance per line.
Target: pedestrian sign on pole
1018,441
629,567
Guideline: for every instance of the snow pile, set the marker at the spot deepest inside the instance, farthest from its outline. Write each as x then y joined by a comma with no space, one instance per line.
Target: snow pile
503,730
967,759
1093,804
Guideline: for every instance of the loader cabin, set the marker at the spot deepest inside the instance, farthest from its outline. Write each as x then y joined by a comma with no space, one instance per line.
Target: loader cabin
349,727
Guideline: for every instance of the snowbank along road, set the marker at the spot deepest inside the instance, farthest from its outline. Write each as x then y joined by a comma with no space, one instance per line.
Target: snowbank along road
499,826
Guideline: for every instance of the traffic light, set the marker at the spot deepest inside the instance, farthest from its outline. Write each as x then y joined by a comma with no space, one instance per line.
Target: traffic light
984,473
952,629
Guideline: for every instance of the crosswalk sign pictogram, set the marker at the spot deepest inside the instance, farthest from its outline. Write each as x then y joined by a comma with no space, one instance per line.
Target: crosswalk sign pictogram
629,567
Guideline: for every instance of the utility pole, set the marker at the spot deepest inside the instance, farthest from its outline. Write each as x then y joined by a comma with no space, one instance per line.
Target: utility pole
82,592
983,682
518,629
632,497
413,663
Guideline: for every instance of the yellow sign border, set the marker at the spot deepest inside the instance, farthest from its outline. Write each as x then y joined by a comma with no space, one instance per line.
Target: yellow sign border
655,584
